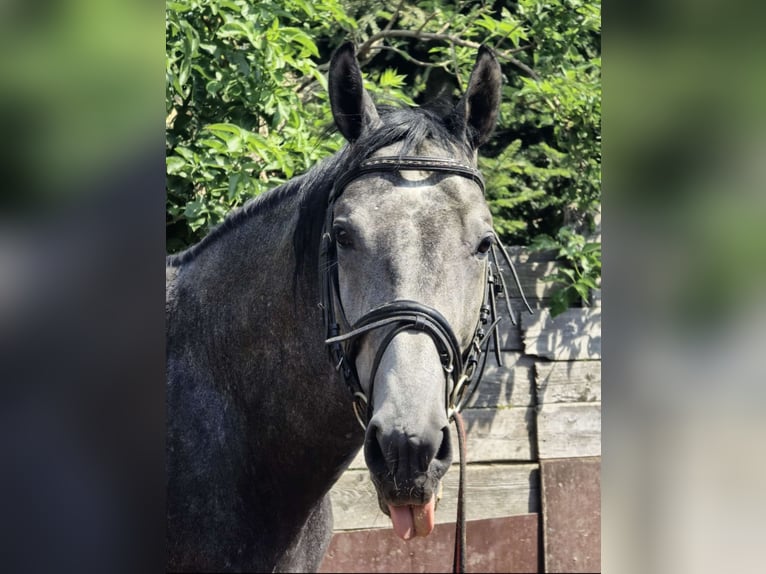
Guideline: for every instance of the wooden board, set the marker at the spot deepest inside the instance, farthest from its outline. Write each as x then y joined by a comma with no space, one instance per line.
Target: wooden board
510,334
493,435
531,275
492,491
506,386
571,501
532,270
569,430
574,334
568,382
509,544
521,255
499,435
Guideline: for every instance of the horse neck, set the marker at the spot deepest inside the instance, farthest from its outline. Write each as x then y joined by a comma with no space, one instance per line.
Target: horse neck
259,345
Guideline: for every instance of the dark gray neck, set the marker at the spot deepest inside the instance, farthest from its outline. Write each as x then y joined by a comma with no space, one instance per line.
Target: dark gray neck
259,425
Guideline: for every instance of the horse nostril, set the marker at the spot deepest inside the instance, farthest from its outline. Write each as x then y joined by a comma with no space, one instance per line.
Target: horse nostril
373,451
417,453
444,454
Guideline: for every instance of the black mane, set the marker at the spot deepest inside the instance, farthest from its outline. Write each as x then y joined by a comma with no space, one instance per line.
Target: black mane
412,126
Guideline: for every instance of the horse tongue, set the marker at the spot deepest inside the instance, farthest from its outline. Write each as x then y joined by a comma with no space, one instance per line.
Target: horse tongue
424,517
413,520
401,516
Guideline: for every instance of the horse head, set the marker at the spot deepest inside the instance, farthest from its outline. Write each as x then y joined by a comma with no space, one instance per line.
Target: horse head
409,239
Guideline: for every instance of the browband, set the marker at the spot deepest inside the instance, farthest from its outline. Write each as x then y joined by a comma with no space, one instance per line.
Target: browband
396,163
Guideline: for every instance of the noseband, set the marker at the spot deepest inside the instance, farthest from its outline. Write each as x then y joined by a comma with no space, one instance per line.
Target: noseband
463,368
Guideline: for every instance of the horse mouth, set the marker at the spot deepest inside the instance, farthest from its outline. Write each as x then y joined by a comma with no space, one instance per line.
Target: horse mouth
413,520
412,515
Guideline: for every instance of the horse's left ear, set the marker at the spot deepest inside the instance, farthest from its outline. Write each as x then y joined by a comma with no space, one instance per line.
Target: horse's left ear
476,113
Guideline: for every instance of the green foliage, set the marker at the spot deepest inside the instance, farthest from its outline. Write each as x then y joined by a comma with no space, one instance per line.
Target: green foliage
580,270
247,105
244,111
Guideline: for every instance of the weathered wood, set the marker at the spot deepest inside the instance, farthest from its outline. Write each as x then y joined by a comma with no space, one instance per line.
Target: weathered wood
521,255
574,334
517,304
568,382
569,430
510,334
493,435
531,275
499,435
571,504
506,386
492,491
509,544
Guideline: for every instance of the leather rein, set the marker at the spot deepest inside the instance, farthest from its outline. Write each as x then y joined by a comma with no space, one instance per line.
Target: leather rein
463,368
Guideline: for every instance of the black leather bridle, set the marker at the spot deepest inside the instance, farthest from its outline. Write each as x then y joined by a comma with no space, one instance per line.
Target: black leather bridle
463,367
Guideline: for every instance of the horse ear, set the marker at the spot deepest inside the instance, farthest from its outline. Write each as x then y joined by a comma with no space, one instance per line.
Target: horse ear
476,113
352,107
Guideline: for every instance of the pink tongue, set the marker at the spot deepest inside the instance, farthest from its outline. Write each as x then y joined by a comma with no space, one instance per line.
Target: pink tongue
412,520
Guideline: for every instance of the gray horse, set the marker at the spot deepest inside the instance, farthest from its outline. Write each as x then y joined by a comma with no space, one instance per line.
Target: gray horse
260,423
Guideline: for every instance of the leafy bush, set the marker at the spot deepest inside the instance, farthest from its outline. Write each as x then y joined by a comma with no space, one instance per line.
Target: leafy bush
580,270
247,105
243,115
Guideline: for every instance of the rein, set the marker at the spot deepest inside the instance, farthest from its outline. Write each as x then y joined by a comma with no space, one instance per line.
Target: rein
463,368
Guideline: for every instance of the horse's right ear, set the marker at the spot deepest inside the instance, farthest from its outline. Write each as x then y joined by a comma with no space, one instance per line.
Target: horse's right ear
352,107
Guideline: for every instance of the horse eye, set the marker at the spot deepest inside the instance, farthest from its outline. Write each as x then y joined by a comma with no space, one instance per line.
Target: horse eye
342,237
485,244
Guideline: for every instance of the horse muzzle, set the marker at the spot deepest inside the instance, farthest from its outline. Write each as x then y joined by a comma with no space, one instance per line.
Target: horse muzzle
406,470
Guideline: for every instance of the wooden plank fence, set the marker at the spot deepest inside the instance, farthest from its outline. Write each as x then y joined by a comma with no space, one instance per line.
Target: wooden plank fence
533,453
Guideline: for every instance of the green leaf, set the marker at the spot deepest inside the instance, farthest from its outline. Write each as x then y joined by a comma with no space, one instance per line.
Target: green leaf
588,282
174,164
582,291
193,209
224,129
185,153
390,79
234,180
